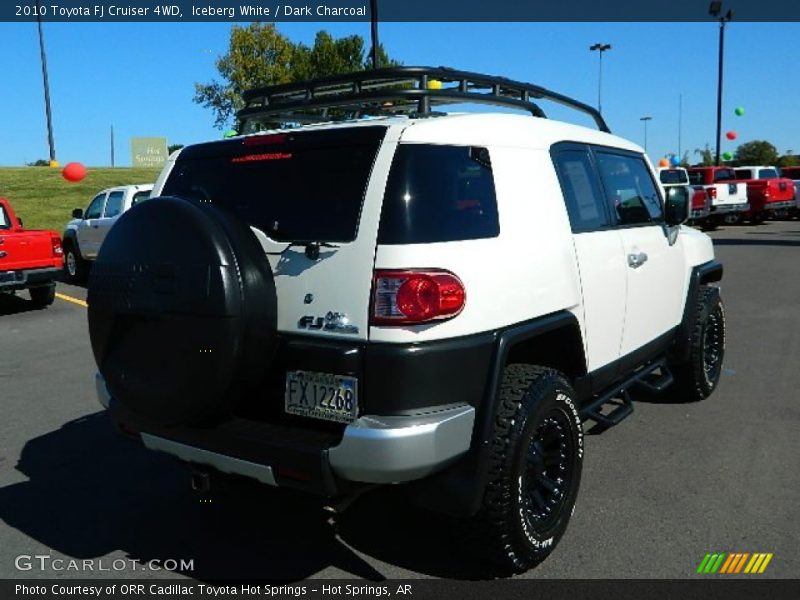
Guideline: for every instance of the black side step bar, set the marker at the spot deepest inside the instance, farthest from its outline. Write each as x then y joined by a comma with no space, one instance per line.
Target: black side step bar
619,397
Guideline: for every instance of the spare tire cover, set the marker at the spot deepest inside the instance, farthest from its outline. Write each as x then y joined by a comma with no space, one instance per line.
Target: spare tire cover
182,310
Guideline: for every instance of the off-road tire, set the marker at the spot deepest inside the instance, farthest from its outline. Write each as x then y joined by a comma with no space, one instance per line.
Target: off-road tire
536,404
75,268
43,296
698,376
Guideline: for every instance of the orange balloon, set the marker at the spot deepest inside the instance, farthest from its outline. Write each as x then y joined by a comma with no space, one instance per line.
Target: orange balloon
73,172
663,162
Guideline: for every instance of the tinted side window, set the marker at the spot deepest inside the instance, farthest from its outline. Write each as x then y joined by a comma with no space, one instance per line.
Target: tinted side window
743,174
439,194
791,172
114,204
767,174
95,208
5,222
629,188
582,193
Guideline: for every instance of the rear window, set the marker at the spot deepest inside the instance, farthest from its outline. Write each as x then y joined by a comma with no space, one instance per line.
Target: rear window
300,187
139,197
743,174
673,176
791,172
696,177
5,222
439,194
767,173
725,175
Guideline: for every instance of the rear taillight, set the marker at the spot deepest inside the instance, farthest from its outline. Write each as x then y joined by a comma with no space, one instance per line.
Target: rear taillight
712,193
57,249
409,297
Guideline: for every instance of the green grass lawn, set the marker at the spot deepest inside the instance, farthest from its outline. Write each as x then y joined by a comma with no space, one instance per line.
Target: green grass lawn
43,199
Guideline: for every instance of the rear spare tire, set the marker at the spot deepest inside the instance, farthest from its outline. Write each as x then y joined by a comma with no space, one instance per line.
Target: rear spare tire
182,311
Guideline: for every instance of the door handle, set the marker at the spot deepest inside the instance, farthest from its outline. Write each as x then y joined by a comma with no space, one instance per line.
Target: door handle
637,260
3,254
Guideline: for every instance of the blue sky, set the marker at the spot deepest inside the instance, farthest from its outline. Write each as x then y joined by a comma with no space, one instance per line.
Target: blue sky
139,77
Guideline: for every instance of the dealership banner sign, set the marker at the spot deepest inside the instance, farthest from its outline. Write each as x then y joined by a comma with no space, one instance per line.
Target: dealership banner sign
391,10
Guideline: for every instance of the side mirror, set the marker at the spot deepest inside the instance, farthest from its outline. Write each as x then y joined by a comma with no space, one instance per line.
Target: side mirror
77,213
19,220
678,207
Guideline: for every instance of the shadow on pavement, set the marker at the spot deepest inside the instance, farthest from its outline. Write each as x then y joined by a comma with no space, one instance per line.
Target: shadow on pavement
754,242
13,304
91,492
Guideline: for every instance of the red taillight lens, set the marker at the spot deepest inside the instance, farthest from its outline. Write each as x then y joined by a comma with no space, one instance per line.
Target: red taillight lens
409,297
57,249
712,193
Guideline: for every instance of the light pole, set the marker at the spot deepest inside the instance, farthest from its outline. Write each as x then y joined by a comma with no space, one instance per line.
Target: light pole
600,48
47,111
645,120
373,13
715,9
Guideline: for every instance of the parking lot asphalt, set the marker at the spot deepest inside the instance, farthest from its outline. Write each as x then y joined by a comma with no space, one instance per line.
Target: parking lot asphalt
670,484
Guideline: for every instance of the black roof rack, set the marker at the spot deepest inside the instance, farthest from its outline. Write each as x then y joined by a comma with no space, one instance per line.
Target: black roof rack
393,90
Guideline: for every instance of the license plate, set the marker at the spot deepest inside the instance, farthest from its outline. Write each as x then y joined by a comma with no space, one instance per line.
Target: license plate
322,396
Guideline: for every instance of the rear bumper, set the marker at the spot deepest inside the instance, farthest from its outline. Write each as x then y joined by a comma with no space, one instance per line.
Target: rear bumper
730,208
779,205
26,278
371,450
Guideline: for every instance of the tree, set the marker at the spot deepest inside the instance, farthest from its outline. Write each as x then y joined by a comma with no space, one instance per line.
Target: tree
757,152
260,55
789,160
707,157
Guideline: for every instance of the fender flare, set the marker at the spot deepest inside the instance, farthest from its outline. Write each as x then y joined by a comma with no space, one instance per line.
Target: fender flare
709,272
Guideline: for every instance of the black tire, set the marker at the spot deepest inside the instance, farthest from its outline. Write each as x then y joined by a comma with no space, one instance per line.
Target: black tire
732,219
757,219
697,377
75,268
709,226
534,472
43,296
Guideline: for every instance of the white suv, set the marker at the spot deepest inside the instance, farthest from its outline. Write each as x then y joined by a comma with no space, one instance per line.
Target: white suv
438,300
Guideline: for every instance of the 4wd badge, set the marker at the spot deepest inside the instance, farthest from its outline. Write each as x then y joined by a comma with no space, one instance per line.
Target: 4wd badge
333,321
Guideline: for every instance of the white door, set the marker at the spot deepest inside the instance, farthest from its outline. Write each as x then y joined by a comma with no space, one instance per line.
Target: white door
113,209
600,254
87,230
655,269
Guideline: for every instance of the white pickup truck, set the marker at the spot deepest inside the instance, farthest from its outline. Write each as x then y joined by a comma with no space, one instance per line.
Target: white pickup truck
729,199
85,233
678,177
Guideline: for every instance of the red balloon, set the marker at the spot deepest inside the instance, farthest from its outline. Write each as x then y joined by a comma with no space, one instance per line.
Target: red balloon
731,135
73,172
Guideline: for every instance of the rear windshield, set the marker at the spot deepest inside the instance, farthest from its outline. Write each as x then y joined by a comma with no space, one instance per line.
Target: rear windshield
743,174
439,194
5,222
295,187
791,172
696,177
767,173
672,176
724,175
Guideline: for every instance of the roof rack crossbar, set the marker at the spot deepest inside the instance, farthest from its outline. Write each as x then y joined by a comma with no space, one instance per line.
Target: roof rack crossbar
415,88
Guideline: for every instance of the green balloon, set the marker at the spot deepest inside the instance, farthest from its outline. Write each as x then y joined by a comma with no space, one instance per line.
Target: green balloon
230,133
739,111
727,155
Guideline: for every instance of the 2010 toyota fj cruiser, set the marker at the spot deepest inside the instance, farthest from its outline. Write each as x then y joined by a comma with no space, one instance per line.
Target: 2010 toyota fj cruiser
360,290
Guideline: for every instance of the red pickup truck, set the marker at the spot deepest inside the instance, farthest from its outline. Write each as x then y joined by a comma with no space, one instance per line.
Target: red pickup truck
29,259
767,191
